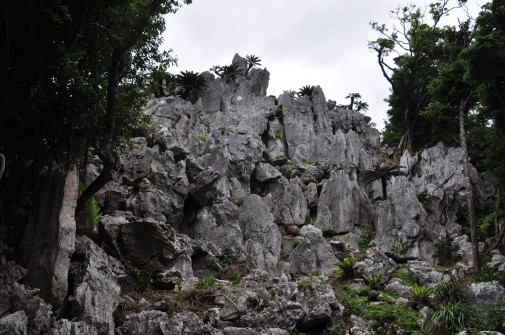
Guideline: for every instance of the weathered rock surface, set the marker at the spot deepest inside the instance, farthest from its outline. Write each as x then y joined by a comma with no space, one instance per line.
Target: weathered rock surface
49,239
486,293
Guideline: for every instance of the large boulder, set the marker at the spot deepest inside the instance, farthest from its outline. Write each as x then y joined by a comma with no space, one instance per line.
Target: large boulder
95,293
486,293
312,255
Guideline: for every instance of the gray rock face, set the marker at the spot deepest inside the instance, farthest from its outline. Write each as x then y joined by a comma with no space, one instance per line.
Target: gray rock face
486,293
339,202
262,238
425,274
401,220
14,324
49,239
396,285
96,291
312,255
374,262
146,242
66,327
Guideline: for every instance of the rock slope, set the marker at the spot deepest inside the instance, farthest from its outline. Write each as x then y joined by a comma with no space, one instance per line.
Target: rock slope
262,187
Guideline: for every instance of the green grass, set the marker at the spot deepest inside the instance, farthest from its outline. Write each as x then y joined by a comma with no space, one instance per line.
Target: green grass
450,292
452,318
208,282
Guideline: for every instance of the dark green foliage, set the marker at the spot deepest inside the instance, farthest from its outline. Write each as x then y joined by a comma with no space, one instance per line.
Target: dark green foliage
207,282
347,267
454,317
380,173
383,315
190,84
496,317
251,61
373,280
487,274
144,279
421,293
229,73
450,292
445,251
93,211
306,90
366,236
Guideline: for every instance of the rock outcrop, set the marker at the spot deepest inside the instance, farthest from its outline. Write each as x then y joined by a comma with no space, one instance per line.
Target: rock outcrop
261,191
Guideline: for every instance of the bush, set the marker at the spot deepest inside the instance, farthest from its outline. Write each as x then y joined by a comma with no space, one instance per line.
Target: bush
450,292
490,274
452,318
366,235
445,251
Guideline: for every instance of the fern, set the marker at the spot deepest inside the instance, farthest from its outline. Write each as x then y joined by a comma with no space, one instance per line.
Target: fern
93,211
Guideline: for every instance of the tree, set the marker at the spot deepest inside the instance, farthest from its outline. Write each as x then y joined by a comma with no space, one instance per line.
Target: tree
353,96
361,106
416,47
71,86
380,173
252,61
306,90
190,84
121,47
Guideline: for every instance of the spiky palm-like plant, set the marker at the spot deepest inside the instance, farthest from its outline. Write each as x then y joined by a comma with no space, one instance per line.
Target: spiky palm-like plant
361,106
353,96
227,72
252,61
381,173
306,90
190,84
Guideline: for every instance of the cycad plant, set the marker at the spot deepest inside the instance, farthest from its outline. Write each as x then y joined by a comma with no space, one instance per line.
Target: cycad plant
380,173
190,84
347,267
252,61
227,72
421,293
373,281
306,90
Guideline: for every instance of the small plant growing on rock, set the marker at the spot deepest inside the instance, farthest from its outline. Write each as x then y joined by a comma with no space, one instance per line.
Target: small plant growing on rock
347,267
207,282
451,318
366,235
373,281
279,112
450,292
278,135
421,293
202,138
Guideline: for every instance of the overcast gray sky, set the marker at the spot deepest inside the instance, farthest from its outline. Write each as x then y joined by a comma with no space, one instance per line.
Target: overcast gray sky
300,42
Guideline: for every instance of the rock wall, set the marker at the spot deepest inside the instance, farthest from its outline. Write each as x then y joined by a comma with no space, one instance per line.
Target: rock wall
273,184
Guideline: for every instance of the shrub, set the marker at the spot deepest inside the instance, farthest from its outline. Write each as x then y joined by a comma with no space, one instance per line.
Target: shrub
279,112
452,318
208,282
445,251
450,292
421,293
490,274
347,267
366,235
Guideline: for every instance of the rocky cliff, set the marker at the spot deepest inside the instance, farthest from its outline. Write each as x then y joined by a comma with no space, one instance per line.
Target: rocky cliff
259,191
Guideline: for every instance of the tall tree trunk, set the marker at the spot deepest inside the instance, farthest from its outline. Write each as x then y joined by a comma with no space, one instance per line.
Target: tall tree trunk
384,188
469,185
409,134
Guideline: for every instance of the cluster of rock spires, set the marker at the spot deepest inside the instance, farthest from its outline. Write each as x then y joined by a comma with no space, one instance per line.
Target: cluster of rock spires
269,183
